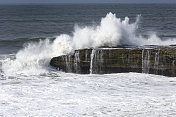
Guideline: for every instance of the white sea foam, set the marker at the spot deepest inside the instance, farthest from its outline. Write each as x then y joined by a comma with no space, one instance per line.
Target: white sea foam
112,31
112,95
34,58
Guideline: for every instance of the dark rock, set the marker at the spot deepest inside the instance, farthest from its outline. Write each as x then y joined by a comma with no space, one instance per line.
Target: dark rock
148,59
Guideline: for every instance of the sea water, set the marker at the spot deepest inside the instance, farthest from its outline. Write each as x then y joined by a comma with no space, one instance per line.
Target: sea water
30,35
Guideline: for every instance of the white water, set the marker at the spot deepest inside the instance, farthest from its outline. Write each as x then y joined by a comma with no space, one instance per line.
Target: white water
29,88
71,95
77,61
145,61
34,58
91,61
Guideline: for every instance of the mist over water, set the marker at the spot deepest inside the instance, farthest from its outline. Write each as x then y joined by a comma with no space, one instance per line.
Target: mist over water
34,58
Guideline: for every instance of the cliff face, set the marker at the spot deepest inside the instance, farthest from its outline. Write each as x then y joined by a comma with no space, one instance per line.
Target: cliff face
152,60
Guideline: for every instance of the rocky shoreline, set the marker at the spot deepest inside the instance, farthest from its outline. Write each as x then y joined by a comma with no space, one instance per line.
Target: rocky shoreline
160,60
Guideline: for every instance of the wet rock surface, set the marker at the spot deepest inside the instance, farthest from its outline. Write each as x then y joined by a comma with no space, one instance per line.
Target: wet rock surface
146,59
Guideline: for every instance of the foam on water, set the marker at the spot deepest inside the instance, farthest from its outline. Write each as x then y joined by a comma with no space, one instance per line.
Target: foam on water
63,95
112,31
34,58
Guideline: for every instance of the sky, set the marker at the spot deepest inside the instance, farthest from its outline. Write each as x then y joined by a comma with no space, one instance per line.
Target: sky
86,1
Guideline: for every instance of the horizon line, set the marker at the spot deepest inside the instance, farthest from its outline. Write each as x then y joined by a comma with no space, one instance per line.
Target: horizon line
88,3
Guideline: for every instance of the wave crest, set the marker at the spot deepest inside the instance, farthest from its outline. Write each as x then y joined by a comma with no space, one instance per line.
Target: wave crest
34,58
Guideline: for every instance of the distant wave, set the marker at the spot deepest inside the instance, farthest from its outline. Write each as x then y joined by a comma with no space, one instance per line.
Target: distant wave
112,31
23,39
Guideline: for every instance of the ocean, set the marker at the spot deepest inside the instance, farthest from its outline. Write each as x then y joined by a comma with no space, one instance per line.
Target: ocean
30,35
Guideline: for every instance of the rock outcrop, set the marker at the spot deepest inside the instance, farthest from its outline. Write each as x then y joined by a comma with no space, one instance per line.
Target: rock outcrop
148,59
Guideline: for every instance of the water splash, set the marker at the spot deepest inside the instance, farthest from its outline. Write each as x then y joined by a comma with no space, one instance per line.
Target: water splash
77,61
112,31
156,63
34,58
145,61
86,55
68,63
92,60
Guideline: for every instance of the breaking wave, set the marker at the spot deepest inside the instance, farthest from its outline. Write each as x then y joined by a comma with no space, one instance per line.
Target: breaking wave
34,58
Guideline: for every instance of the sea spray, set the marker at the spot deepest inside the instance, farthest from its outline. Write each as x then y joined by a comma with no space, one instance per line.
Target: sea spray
34,58
112,31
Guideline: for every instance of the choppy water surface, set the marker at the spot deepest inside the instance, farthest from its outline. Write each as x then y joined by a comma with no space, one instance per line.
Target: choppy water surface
30,35
61,94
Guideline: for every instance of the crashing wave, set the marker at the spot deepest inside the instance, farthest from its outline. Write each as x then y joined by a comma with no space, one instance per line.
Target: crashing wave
34,58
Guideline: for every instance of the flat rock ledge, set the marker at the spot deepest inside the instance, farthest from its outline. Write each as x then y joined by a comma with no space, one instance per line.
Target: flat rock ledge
160,60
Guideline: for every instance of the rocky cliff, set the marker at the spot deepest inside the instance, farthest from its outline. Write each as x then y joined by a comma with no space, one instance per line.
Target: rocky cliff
147,59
